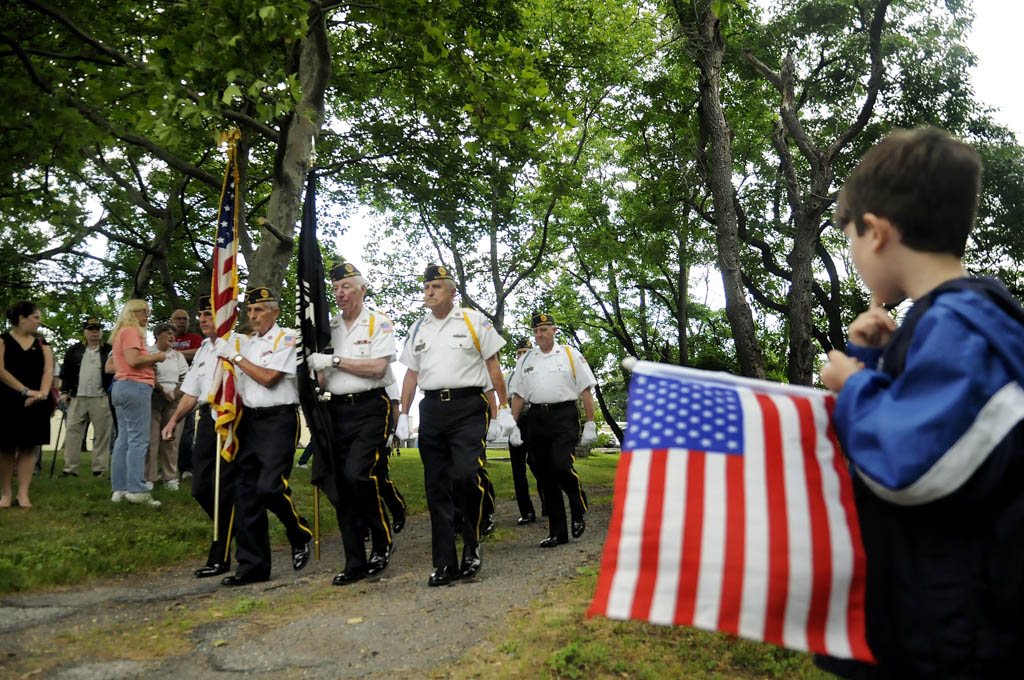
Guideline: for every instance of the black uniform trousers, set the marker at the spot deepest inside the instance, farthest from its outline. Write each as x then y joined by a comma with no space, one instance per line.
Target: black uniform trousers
554,430
452,435
204,476
360,431
393,499
520,457
262,465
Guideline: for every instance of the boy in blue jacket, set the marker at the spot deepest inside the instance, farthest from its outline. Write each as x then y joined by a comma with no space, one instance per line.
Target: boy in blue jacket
930,416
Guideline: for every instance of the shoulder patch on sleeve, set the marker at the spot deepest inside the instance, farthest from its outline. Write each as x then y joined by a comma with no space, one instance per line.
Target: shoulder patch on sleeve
386,327
289,340
486,325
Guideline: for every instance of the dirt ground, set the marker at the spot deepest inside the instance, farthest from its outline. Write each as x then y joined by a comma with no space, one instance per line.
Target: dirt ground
168,624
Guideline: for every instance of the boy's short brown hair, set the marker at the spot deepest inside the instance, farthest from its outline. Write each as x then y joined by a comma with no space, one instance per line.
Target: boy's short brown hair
923,181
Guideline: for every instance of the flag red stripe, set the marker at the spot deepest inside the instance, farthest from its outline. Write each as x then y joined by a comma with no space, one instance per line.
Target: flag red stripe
651,541
610,558
778,531
855,624
821,539
693,527
732,568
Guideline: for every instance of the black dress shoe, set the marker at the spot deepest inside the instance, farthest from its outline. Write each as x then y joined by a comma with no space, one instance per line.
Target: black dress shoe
399,524
442,576
65,473
489,526
211,570
552,541
97,473
578,527
472,560
528,518
300,555
232,581
378,561
349,576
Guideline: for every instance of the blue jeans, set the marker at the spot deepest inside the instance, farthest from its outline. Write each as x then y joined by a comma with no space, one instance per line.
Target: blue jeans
133,404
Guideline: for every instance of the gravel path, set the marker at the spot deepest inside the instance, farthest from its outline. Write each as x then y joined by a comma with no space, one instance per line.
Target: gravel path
297,625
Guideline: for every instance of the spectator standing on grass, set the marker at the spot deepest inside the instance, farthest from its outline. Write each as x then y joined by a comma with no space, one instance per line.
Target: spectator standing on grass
162,459
187,344
132,396
83,391
26,375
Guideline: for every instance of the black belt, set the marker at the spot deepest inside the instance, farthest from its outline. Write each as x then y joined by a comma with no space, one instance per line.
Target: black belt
268,410
357,397
457,393
548,407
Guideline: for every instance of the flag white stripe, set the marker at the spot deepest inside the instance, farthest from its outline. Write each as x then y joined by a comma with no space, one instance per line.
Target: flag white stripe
620,600
837,639
712,549
798,525
666,587
755,547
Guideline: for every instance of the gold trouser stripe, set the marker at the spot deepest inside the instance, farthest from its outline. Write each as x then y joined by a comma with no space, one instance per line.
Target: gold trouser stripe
373,477
288,497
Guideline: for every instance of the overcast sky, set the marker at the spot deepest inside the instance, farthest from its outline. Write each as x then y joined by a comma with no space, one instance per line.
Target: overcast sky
995,39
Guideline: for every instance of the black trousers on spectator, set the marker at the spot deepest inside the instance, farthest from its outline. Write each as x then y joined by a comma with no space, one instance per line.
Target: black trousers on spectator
554,430
204,475
452,435
262,466
360,431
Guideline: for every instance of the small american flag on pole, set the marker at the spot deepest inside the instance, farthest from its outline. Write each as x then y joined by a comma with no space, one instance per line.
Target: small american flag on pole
734,512
225,301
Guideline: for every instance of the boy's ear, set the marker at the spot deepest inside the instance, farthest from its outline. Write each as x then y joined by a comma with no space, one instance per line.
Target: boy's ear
880,231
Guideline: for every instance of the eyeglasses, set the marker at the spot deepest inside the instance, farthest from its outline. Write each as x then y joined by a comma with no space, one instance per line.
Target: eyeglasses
144,311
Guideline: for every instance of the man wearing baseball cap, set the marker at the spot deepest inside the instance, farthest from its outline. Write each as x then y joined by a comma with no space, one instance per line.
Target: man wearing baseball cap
84,386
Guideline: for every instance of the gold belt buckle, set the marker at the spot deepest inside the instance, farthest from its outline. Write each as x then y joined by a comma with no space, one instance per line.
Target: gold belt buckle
445,395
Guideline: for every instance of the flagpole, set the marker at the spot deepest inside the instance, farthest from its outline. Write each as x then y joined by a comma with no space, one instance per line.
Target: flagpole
316,522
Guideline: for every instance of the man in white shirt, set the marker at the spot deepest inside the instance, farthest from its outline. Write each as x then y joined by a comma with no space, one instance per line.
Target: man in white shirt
519,456
451,355
267,430
162,458
550,377
356,375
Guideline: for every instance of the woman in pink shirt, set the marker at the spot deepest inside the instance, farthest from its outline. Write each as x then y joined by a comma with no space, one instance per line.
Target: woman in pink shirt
132,396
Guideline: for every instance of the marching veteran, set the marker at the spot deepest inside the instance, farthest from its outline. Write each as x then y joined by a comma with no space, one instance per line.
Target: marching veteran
198,388
356,375
550,377
266,431
451,354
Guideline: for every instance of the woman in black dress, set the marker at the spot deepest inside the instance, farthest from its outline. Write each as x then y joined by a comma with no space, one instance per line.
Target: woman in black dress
26,374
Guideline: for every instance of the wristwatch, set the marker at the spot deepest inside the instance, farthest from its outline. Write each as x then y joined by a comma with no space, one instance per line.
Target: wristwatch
335,361
24,391
236,359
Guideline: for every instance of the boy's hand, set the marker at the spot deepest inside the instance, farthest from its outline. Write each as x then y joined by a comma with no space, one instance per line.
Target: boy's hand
838,369
872,328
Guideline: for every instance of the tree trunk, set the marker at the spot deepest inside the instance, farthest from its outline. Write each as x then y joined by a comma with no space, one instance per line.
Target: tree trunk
707,47
292,159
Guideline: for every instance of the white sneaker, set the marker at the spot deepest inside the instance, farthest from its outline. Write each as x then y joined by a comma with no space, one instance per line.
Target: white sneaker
172,484
142,498
149,486
117,496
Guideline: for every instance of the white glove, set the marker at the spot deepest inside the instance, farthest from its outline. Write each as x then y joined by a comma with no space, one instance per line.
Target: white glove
506,421
391,442
516,438
224,349
589,433
319,362
402,428
493,431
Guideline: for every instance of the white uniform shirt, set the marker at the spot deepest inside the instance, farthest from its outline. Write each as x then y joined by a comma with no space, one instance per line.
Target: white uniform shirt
548,378
444,352
393,391
370,337
90,384
274,350
171,370
198,381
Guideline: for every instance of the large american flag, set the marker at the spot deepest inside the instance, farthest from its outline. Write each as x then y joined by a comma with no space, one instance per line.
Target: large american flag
225,303
734,512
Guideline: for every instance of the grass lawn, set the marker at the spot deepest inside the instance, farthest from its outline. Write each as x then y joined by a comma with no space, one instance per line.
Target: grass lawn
73,533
